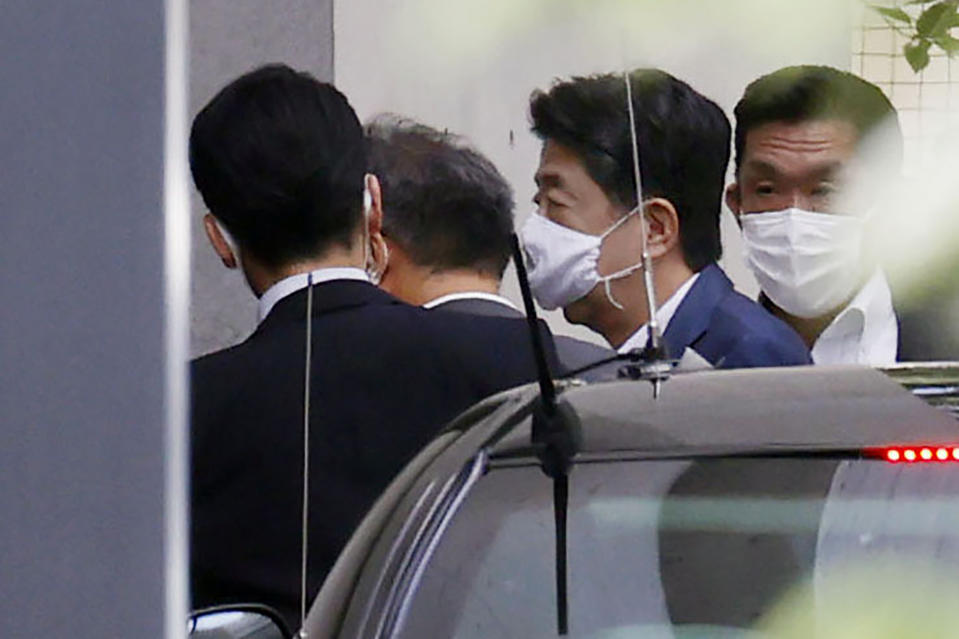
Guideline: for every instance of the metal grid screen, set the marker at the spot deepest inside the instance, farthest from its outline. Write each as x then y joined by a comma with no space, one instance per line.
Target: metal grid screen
924,100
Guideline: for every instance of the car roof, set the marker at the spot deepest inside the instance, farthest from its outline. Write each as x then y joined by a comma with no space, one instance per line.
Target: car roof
717,412
749,410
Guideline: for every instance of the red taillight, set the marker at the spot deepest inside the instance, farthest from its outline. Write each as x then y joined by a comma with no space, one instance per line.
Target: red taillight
919,454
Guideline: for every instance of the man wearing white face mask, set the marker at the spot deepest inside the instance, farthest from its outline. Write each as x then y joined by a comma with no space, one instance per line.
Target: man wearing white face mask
584,241
799,133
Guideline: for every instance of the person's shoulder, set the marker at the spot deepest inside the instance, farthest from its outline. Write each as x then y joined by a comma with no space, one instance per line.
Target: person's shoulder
218,376
574,353
484,333
217,359
581,346
418,323
746,315
756,337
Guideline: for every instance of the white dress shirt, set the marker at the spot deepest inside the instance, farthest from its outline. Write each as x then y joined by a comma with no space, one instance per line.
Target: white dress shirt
294,283
865,332
663,314
477,295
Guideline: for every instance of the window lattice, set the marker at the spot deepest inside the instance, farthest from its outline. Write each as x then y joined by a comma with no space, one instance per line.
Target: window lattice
925,100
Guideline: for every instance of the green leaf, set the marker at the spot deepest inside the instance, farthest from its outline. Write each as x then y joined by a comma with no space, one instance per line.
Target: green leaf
937,19
947,43
917,54
893,14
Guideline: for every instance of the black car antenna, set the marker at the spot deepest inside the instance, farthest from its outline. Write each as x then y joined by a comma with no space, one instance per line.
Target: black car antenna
653,364
305,512
555,439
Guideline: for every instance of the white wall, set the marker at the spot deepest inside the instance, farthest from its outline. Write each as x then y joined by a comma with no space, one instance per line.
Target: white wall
229,38
470,65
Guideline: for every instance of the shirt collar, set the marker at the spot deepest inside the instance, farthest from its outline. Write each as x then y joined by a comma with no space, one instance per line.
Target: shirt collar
865,332
664,314
294,283
477,295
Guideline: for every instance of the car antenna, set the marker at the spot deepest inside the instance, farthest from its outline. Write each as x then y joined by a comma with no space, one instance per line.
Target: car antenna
304,546
555,439
654,364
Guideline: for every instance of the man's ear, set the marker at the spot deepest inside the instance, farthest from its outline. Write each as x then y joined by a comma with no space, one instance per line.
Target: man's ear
395,270
393,253
663,226
219,243
734,200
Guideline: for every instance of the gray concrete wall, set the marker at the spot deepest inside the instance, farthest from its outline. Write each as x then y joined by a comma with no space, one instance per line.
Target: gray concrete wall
82,353
228,38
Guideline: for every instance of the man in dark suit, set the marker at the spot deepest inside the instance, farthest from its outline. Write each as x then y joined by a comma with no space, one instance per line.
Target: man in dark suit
585,241
447,222
280,161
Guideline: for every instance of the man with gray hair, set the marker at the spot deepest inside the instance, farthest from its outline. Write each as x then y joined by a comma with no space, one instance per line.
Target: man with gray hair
447,222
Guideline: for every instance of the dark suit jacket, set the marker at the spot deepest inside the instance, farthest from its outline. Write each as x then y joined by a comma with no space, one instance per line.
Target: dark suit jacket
927,327
385,378
573,353
730,330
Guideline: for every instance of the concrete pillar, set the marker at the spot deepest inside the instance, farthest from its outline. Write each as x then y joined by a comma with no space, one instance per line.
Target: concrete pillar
92,420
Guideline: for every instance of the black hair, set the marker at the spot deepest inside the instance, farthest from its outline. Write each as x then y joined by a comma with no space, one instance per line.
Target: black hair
279,159
444,203
683,140
802,93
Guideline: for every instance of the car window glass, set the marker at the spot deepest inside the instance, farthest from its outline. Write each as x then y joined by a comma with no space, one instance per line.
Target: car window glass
674,549
492,573
880,511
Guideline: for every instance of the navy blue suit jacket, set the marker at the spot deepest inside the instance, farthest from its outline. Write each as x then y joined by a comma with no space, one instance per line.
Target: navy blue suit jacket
729,330
386,377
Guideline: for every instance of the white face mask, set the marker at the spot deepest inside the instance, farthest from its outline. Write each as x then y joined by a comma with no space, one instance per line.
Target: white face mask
375,274
563,263
807,263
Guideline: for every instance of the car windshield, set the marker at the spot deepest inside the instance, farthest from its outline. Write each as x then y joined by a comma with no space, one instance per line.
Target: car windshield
689,548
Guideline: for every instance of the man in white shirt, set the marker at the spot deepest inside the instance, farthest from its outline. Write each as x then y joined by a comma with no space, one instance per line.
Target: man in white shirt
584,241
801,136
447,224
